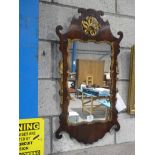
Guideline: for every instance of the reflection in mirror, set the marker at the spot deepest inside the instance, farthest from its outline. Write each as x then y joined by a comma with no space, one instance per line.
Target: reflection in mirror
89,82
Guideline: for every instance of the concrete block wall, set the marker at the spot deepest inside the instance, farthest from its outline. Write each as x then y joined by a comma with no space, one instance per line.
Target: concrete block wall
120,14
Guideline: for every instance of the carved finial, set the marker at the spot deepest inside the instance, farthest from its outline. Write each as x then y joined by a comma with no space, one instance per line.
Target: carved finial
58,29
120,33
117,126
81,10
57,134
100,13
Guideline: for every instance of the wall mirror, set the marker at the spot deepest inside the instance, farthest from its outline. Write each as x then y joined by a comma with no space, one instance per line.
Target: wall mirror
88,81
88,77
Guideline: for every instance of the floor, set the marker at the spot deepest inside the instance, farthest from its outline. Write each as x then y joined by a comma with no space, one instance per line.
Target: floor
118,149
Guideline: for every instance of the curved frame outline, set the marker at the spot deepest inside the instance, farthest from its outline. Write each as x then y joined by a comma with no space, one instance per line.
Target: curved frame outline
87,133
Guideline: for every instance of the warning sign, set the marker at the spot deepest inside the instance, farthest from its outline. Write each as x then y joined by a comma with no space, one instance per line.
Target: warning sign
31,136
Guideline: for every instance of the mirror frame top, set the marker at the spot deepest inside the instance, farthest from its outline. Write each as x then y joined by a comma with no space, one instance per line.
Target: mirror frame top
89,26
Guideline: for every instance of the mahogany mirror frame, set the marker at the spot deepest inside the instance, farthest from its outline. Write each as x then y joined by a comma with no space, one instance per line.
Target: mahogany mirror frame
87,133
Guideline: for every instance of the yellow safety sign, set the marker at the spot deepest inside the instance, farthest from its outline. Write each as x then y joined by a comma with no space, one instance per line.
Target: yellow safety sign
31,136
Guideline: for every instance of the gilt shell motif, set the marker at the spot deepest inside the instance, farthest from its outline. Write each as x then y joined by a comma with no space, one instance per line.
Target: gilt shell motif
90,26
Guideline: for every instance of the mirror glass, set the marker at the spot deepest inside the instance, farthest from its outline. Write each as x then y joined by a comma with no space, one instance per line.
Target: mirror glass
88,81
